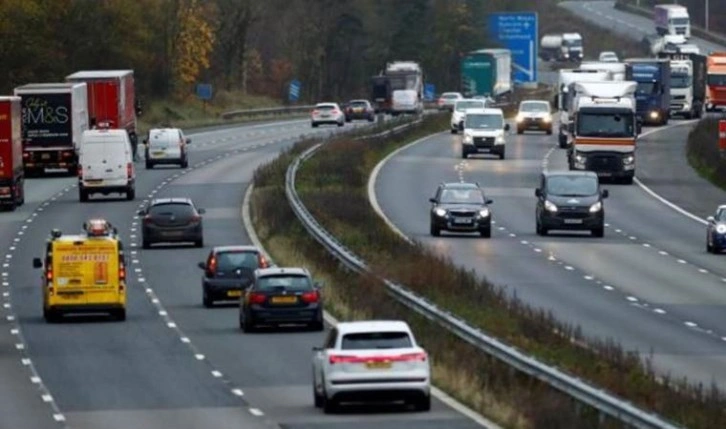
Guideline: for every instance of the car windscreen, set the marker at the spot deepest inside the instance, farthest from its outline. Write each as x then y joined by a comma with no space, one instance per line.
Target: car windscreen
461,196
463,105
284,282
177,210
376,340
534,107
232,260
572,186
484,121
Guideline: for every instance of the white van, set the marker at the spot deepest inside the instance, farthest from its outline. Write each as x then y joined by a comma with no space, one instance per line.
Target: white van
166,146
106,164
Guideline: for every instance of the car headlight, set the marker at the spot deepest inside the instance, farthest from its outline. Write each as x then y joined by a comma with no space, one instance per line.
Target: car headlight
440,212
484,212
654,115
520,118
629,159
547,118
467,138
596,207
721,229
550,206
580,158
500,140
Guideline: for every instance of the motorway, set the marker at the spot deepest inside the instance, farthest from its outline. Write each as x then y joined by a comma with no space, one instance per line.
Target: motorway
173,363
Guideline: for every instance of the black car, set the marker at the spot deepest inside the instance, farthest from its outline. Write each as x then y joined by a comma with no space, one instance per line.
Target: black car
570,200
228,271
359,109
280,296
171,220
460,207
716,231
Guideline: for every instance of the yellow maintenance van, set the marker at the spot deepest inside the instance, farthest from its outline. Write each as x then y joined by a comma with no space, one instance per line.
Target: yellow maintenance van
84,273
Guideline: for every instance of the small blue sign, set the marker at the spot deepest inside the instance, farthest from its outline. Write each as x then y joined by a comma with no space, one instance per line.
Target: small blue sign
429,91
204,91
294,91
518,33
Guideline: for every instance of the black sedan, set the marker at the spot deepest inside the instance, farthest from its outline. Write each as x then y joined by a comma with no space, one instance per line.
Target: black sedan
171,220
460,207
281,296
228,271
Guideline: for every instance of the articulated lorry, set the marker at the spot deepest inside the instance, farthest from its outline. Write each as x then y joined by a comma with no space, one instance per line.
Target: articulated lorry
487,73
407,83
653,96
563,99
716,81
672,19
688,83
12,179
54,118
604,129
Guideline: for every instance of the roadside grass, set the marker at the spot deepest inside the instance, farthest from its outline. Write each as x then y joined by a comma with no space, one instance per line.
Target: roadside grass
332,185
193,113
703,153
483,383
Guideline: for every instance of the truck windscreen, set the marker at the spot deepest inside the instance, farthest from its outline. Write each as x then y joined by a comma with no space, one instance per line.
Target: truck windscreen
590,124
717,79
680,80
679,21
572,43
647,88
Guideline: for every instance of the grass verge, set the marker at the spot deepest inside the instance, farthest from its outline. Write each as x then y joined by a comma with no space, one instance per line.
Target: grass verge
333,186
703,152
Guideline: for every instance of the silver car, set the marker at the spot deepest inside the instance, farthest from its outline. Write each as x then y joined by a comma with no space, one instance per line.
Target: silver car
447,100
327,113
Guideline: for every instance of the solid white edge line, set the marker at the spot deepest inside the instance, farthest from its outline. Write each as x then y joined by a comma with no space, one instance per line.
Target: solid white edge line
437,393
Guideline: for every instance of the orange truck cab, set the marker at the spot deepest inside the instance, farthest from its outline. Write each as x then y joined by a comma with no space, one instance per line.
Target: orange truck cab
84,273
716,81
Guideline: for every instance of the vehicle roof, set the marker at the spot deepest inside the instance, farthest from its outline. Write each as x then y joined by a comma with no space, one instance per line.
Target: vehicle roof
359,100
72,238
570,173
235,248
274,271
98,74
104,132
163,130
451,93
372,326
170,200
459,185
485,111
50,85
535,101
327,104
10,98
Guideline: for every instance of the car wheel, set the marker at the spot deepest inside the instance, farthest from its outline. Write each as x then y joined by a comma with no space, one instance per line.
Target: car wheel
464,153
207,300
149,165
520,131
314,125
423,404
486,232
435,231
330,405
541,230
340,124
318,399
549,131
501,154
82,195
131,193
185,163
146,244
709,246
120,315
199,243
372,119
599,232
246,325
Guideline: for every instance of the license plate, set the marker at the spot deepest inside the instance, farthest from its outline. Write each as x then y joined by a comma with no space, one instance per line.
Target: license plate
45,156
234,293
173,233
94,181
602,174
283,299
573,221
379,365
358,110
158,152
463,221
70,295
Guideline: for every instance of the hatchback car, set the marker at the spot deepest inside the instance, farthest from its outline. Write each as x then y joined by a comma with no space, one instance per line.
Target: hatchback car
570,200
280,296
228,271
448,99
327,113
534,115
460,207
359,109
171,220
376,360
716,231
166,146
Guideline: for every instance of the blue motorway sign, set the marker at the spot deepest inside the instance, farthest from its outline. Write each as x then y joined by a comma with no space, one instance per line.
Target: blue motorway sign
294,90
429,91
517,32
204,91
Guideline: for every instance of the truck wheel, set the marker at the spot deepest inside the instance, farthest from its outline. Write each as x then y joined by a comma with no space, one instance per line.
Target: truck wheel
628,180
435,231
563,141
185,163
82,195
131,193
120,314
501,154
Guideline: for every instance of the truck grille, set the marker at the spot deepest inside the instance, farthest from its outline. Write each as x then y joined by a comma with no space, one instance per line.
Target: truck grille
483,141
678,97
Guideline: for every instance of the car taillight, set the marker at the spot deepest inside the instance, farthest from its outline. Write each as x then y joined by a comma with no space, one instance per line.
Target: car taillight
67,154
262,262
148,220
406,357
49,275
311,297
121,272
413,357
26,155
211,266
196,218
257,298
334,359
315,112
129,170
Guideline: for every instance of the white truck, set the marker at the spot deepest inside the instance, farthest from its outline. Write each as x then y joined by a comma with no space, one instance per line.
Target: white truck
604,129
572,42
406,79
563,101
688,83
672,19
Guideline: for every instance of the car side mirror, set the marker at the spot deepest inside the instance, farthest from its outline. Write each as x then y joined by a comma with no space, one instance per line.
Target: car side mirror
538,193
189,141
487,202
506,127
201,211
141,212
202,265
605,193
317,349
145,141
711,219
37,263
432,200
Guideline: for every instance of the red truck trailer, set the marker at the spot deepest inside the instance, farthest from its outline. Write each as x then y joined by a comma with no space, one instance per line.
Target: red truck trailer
111,98
12,191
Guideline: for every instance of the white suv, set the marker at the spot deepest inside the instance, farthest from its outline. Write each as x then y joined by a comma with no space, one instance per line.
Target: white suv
459,111
376,360
484,131
166,146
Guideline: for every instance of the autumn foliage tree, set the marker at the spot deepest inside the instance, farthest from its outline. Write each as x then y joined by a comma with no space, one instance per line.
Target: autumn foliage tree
193,46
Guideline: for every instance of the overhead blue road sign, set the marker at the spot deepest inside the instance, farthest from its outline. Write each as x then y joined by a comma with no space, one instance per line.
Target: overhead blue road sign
518,33
204,91
429,91
294,90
